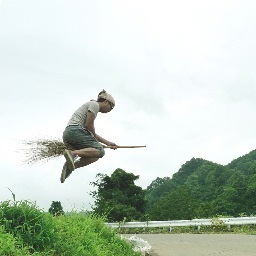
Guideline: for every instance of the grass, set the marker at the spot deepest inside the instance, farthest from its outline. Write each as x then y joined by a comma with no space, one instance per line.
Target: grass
27,230
9,245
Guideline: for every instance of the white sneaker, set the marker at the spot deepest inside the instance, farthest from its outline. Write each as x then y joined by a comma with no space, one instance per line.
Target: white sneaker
69,159
65,173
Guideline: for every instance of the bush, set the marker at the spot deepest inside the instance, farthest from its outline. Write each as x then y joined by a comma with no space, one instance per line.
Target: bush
10,246
88,235
25,221
26,230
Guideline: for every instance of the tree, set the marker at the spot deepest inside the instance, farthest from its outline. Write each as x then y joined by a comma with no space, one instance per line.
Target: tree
251,195
227,202
56,208
157,190
117,197
176,205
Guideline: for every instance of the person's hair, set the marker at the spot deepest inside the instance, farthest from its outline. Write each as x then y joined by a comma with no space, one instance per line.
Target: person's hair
102,92
100,100
103,95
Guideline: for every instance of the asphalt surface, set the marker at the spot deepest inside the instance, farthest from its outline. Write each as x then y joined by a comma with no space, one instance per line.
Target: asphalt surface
200,244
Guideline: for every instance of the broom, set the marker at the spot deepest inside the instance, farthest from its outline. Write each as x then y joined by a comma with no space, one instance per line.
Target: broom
42,150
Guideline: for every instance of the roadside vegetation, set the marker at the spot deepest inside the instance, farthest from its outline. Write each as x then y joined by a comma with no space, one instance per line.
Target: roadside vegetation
27,230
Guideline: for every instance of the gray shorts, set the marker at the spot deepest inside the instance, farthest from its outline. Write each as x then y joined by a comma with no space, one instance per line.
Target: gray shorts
76,137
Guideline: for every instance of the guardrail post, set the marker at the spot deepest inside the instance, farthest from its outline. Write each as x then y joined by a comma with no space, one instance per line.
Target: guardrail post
198,228
170,229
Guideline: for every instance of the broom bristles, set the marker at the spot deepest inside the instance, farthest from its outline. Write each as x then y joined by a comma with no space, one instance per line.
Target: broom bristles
42,150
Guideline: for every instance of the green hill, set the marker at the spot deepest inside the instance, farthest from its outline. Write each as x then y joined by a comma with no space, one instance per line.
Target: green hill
206,189
245,164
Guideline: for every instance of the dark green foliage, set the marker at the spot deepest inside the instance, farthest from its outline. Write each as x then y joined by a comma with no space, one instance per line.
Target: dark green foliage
117,197
213,189
246,163
56,208
157,189
251,194
178,204
187,169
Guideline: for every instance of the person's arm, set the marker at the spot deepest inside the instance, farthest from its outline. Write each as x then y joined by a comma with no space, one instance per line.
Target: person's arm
89,125
104,141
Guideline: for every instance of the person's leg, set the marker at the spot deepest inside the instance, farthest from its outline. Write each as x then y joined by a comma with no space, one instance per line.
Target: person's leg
66,171
80,143
87,156
87,153
85,161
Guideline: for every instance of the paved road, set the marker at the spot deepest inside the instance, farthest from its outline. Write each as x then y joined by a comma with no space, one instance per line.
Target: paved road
200,244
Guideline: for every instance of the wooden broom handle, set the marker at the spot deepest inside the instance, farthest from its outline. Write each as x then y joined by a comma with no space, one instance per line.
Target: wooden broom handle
125,146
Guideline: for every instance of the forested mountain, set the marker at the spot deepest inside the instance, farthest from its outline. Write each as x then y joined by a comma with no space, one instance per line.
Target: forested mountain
204,189
245,164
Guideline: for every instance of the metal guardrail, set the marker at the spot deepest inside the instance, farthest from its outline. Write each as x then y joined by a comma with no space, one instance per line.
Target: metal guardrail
184,223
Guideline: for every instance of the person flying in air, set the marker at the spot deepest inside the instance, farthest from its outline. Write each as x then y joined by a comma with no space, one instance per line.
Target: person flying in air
80,137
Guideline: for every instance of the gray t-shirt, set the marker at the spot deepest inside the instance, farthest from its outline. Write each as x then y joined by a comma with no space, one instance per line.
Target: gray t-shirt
79,117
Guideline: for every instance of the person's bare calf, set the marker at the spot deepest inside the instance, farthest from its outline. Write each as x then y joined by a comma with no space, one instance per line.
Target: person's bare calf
87,156
86,153
84,161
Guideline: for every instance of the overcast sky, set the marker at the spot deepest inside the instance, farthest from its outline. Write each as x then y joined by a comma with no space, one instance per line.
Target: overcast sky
182,74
